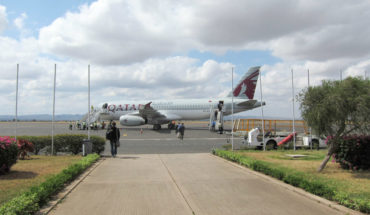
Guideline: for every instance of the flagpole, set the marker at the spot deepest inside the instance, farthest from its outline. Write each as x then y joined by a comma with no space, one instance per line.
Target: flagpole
308,84
52,122
16,104
88,118
232,109
263,119
293,113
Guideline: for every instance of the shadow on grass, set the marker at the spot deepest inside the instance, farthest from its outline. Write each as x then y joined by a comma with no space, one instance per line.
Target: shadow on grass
362,174
15,175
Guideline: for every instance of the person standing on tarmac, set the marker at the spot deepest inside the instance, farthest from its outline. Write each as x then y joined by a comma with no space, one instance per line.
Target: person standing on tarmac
113,135
182,131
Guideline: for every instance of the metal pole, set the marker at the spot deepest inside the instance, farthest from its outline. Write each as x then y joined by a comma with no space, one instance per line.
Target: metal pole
232,109
309,129
52,122
340,71
16,104
293,112
263,119
88,118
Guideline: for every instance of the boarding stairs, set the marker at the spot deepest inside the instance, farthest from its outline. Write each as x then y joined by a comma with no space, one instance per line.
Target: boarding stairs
217,116
94,116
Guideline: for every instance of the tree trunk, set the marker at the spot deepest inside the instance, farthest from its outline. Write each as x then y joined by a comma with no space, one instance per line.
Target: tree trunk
327,158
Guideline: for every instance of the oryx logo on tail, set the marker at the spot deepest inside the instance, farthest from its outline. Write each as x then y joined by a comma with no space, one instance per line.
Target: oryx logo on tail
247,84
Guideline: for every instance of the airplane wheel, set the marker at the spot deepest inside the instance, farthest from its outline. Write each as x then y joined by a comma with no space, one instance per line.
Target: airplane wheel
156,127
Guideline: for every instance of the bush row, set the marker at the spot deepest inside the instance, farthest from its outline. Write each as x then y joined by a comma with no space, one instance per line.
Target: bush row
31,201
70,143
353,152
317,185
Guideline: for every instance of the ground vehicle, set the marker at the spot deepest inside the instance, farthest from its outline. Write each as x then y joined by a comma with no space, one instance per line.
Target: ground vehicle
271,139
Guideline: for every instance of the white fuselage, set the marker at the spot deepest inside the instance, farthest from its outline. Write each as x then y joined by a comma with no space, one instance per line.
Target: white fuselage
186,109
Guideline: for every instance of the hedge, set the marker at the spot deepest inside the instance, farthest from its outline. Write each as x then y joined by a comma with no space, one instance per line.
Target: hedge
316,185
353,152
69,143
31,201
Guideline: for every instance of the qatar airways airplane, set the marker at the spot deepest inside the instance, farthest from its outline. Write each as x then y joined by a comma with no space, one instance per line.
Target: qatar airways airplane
157,113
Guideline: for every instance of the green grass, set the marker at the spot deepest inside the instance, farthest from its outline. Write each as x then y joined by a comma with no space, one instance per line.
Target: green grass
30,172
349,188
32,200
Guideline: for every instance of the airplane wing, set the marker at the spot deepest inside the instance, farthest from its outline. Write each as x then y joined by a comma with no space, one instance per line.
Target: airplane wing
154,116
146,111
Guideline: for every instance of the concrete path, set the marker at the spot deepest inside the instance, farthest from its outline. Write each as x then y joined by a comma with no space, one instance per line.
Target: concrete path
181,184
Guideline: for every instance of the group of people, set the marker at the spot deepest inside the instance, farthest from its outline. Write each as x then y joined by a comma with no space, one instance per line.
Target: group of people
83,126
180,130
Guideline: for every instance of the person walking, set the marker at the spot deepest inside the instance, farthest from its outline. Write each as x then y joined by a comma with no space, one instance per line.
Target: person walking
113,135
182,131
178,128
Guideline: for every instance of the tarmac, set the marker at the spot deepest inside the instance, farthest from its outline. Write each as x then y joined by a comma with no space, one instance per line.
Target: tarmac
155,173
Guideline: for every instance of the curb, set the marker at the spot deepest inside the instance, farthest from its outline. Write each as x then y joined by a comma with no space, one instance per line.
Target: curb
55,200
328,203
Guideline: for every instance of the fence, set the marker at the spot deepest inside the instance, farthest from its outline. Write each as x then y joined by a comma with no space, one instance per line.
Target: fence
271,125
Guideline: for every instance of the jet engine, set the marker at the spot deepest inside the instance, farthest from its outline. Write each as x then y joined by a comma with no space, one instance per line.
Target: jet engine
130,120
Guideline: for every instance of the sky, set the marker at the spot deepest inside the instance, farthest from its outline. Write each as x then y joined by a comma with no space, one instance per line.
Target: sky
164,50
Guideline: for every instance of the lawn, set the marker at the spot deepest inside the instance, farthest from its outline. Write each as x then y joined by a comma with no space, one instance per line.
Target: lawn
354,183
27,173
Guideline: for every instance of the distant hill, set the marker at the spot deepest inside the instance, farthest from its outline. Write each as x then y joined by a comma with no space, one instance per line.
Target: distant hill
42,117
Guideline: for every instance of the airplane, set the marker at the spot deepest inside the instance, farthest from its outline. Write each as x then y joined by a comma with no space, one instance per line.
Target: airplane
161,112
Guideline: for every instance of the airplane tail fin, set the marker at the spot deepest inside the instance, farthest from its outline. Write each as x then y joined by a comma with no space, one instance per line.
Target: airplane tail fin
247,84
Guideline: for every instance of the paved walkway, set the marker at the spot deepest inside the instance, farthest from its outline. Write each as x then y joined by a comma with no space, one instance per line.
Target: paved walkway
181,184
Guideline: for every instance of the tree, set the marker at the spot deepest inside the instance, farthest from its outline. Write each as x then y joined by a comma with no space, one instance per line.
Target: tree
336,109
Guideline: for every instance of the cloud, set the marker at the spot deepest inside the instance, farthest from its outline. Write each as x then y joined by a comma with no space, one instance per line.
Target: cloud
3,19
115,32
137,50
156,78
19,21
121,32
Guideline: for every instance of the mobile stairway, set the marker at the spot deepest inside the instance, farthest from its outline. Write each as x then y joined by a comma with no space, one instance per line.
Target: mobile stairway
216,118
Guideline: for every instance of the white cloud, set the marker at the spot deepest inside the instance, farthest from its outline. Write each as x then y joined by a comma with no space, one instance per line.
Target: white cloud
171,77
19,21
116,32
136,50
3,19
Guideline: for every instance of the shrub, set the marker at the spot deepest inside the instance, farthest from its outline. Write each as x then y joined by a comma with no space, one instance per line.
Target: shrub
24,147
353,152
68,143
98,144
30,202
39,142
8,153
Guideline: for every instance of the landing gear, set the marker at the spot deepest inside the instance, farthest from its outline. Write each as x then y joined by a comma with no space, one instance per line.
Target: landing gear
156,127
171,126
